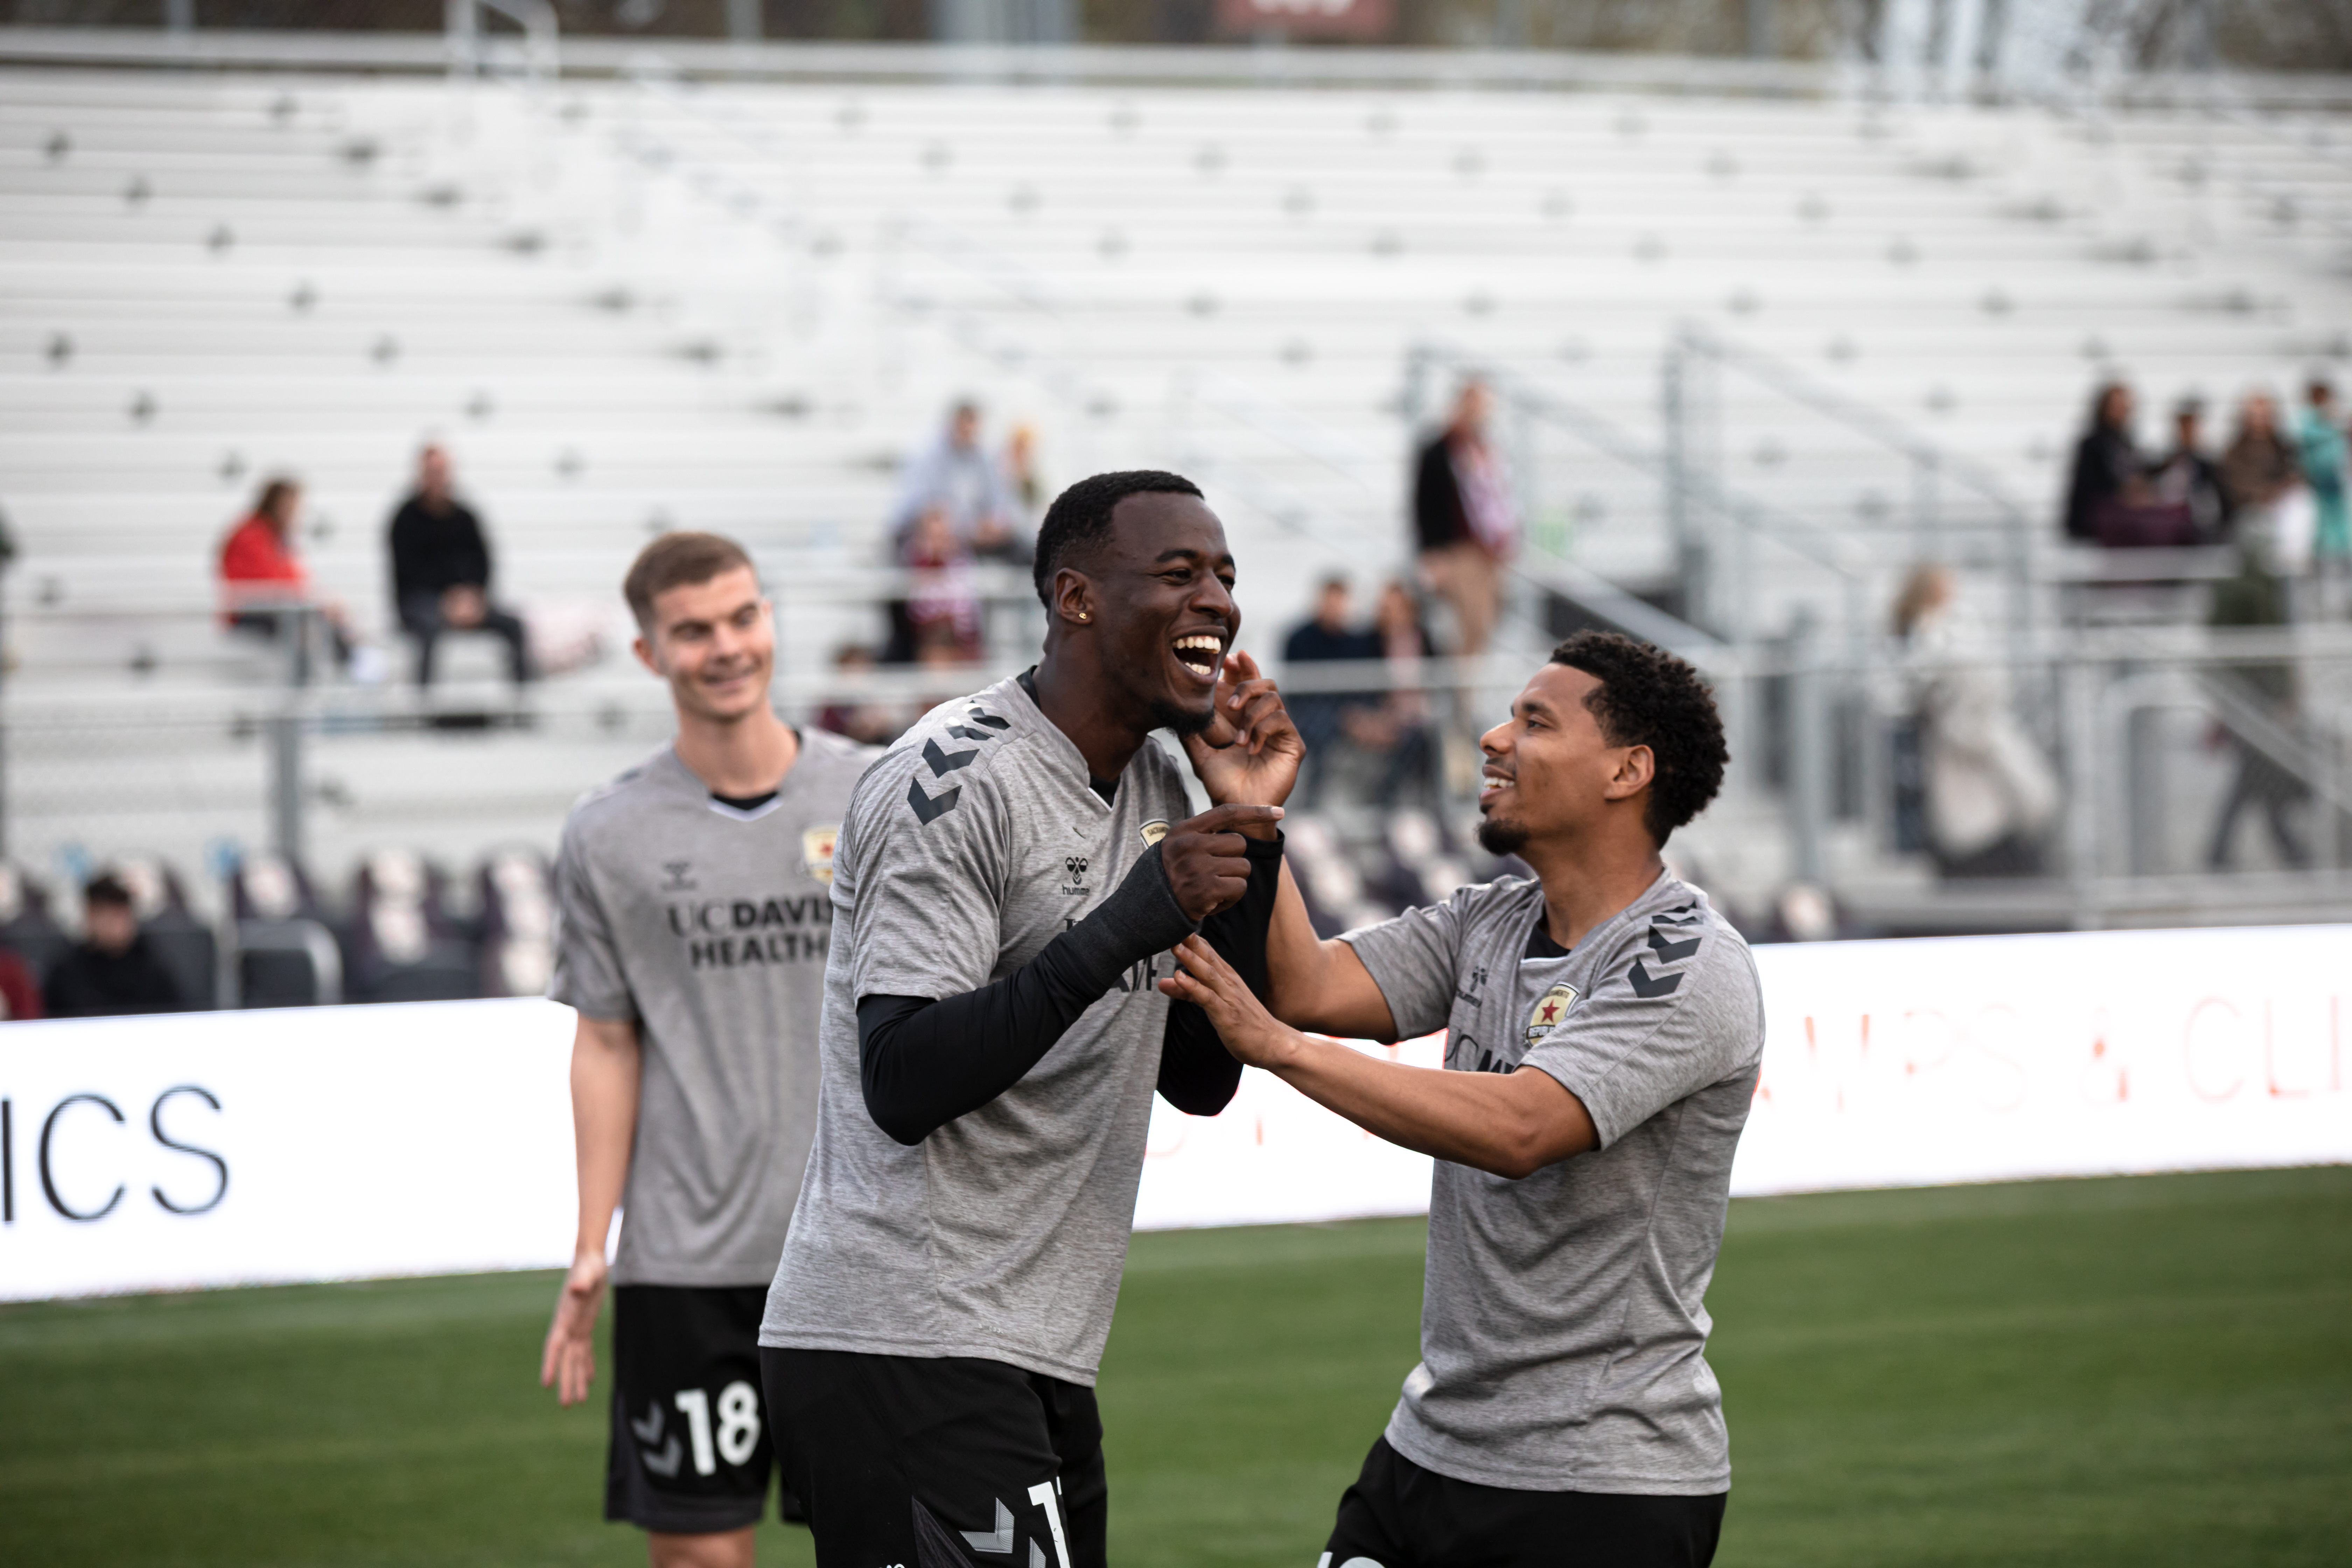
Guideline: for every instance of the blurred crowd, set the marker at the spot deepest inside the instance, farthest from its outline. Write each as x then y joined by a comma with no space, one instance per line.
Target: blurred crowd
441,570
1975,790
1375,733
402,930
2276,487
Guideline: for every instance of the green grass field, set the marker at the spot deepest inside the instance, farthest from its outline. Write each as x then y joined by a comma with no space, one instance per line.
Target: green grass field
2143,1372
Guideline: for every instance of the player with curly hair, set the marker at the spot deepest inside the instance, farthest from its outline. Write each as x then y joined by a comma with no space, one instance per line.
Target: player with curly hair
1604,1029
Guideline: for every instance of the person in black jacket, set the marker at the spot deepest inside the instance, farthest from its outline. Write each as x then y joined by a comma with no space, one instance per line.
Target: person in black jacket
2187,477
441,571
1330,633
2107,467
114,970
1465,524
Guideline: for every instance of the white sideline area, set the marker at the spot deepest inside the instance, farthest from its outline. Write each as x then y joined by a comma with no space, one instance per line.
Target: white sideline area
245,1148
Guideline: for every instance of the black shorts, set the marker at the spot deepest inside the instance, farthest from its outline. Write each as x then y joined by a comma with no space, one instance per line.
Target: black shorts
946,1462
691,1446
1399,1515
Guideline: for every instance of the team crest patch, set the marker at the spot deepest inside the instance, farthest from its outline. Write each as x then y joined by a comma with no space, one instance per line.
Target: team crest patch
816,851
1153,831
1550,1008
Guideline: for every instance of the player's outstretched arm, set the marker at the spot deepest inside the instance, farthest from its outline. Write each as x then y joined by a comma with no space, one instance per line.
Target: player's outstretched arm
1508,1124
1317,984
606,1061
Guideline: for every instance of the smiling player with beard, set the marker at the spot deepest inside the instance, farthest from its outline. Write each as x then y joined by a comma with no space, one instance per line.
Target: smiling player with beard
1604,1027
1009,881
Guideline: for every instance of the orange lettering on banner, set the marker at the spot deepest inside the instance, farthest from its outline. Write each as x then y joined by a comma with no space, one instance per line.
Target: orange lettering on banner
2300,1055
2269,1058
2099,1061
2197,1082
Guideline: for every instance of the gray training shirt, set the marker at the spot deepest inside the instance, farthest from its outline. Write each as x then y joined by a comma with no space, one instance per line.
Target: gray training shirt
707,927
1562,1333
973,843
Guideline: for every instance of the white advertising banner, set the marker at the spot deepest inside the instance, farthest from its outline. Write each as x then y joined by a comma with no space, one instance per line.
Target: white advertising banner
1911,1063
301,1143
234,1148
2094,1053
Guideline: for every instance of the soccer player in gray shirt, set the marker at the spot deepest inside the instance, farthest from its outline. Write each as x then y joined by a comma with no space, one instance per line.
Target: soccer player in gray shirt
693,929
1010,879
1604,1029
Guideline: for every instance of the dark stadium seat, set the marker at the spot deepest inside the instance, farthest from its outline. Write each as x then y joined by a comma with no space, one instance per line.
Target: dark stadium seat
403,943
191,951
518,924
286,955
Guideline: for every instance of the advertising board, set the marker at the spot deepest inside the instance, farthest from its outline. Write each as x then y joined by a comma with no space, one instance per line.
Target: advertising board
237,1148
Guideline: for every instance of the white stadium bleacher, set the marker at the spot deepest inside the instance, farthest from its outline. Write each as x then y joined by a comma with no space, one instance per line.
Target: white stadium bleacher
638,302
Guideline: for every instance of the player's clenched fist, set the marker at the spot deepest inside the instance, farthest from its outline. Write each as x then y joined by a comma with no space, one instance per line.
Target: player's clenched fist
1206,864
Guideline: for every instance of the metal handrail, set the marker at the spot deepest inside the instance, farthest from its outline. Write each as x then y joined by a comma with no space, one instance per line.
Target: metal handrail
1803,539
1931,463
469,54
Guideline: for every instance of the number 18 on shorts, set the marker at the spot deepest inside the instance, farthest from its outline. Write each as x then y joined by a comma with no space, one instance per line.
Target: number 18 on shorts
691,1448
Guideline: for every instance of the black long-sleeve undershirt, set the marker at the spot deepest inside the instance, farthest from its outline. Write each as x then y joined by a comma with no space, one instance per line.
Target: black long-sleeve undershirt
924,1062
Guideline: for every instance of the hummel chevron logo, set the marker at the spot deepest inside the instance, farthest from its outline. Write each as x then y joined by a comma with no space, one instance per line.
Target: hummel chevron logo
945,762
1671,952
928,810
1001,1541
1644,985
649,1432
993,723
961,734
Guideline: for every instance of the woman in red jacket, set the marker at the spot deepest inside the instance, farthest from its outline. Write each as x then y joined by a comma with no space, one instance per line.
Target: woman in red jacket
260,576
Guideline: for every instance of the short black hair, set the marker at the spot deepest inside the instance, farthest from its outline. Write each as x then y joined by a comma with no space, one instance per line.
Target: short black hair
1647,697
106,888
1080,516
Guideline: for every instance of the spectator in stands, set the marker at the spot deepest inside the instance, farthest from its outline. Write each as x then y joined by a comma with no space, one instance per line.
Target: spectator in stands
953,473
2320,450
1328,635
441,571
1465,526
1990,792
1397,728
942,606
1021,480
2256,597
261,575
2258,469
2107,467
2186,476
869,723
113,970
20,995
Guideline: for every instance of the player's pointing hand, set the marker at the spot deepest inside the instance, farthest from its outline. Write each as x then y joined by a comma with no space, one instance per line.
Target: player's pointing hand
1207,868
